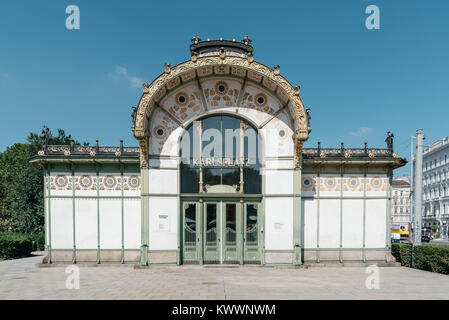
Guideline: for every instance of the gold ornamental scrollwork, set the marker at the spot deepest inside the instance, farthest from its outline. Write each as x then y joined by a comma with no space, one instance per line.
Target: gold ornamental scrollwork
150,92
143,143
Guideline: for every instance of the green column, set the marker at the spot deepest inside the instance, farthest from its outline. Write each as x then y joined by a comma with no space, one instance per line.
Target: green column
97,172
388,222
318,188
297,245
364,213
145,206
49,212
122,187
341,213
73,213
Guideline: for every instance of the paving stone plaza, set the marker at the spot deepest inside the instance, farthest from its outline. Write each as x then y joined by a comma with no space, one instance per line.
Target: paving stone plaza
21,279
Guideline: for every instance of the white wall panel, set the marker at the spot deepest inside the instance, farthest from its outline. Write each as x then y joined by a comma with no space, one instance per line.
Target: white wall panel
132,223
278,182
110,224
329,223
352,224
309,208
278,223
86,235
163,181
163,223
376,223
61,224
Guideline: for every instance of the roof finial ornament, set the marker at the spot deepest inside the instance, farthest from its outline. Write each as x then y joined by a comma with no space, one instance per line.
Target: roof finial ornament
194,57
167,67
250,57
246,40
222,53
145,86
196,39
276,69
297,90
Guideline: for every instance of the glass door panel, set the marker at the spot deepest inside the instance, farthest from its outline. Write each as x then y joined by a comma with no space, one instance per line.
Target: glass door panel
210,233
231,232
252,233
191,233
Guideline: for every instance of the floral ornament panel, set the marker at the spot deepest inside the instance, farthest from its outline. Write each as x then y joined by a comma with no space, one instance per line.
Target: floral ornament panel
132,183
353,184
330,183
61,182
221,93
184,104
308,183
86,182
110,182
161,128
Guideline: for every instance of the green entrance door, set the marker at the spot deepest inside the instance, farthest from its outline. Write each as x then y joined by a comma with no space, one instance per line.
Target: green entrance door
217,232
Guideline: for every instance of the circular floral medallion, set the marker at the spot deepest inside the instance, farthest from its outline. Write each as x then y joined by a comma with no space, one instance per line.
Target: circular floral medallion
159,132
134,181
110,181
330,182
307,182
353,182
221,87
85,181
260,99
61,181
182,98
376,182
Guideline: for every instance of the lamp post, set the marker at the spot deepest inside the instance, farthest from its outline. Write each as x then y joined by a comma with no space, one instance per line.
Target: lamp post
412,177
418,188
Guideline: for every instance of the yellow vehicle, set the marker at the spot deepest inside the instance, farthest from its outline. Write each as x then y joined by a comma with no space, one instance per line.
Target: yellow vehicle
400,235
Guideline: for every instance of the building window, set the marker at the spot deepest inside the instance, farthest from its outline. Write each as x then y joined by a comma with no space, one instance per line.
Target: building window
221,162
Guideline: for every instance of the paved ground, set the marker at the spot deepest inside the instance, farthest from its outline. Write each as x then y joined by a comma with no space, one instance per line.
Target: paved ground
20,279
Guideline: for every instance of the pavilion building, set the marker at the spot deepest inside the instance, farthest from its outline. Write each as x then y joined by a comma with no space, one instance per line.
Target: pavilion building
220,175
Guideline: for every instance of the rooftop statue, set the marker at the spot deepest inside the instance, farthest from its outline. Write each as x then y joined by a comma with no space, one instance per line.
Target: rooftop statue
389,140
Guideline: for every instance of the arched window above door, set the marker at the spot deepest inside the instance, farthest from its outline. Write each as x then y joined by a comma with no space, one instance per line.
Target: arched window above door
220,154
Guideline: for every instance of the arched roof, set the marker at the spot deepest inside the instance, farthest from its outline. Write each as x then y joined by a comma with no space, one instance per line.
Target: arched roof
240,67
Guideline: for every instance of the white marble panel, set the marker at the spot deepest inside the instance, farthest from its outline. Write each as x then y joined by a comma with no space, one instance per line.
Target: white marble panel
279,223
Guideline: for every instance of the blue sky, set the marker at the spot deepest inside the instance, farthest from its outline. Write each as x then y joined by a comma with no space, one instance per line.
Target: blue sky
359,83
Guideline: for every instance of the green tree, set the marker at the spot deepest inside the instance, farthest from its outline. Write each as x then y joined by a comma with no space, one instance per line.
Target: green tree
21,185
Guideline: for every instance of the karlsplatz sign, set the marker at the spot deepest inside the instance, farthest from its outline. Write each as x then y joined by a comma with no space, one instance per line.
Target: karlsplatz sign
221,162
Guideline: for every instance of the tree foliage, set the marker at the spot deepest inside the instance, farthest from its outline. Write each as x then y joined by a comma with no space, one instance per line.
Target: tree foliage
22,185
